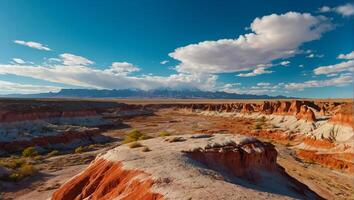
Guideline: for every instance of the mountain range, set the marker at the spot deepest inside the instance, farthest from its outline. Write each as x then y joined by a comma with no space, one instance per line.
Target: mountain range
130,93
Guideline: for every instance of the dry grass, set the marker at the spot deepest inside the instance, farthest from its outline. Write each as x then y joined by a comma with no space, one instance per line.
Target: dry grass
135,145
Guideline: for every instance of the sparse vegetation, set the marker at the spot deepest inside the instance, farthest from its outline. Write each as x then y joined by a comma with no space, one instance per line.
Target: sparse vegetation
135,145
79,149
258,126
134,136
146,149
19,168
29,152
164,134
177,139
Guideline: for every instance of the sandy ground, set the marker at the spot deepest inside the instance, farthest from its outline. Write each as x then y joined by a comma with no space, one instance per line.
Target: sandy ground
327,183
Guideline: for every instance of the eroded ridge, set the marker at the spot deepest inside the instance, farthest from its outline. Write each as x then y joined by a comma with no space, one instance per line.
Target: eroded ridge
190,167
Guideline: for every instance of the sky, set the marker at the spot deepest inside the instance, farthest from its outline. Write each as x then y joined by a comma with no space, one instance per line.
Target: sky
295,48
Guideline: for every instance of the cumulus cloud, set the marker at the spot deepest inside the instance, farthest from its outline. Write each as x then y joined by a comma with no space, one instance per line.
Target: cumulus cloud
164,62
7,87
70,59
18,61
342,80
122,68
340,67
346,56
84,76
255,72
273,37
345,10
35,45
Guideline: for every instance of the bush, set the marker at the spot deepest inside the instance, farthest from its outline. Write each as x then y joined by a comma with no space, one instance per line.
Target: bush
164,133
146,149
258,126
15,176
79,149
135,145
27,169
134,136
29,152
12,163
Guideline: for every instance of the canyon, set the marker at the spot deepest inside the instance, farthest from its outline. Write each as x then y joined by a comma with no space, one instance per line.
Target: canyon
212,145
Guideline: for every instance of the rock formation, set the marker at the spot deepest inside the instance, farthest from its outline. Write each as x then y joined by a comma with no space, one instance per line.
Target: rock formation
193,168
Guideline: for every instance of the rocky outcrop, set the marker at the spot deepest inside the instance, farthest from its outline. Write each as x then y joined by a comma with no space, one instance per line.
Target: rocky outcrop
306,113
328,160
344,115
105,180
195,167
237,159
64,141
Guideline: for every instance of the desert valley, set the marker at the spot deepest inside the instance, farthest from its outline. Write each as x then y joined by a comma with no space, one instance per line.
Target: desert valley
176,99
176,149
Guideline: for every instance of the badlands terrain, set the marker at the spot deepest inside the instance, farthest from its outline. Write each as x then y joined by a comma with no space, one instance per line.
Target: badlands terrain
176,149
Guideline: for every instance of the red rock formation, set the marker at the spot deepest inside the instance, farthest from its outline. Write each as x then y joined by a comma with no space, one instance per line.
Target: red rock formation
44,141
328,160
323,111
306,114
283,108
247,108
240,160
344,116
6,117
104,180
295,107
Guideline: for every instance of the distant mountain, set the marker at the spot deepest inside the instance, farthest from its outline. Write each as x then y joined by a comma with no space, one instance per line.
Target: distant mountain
158,93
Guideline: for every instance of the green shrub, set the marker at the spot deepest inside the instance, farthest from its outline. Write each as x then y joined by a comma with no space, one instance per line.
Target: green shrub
79,149
12,163
27,169
164,133
15,176
134,136
258,126
29,152
135,145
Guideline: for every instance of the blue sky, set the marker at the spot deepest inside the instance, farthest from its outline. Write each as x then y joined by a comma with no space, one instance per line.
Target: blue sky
295,48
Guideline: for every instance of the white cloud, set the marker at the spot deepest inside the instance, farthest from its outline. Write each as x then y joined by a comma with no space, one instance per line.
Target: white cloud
18,61
255,72
84,76
263,84
340,67
324,9
11,88
273,37
346,56
122,68
312,55
345,10
285,63
34,45
164,62
342,80
70,59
